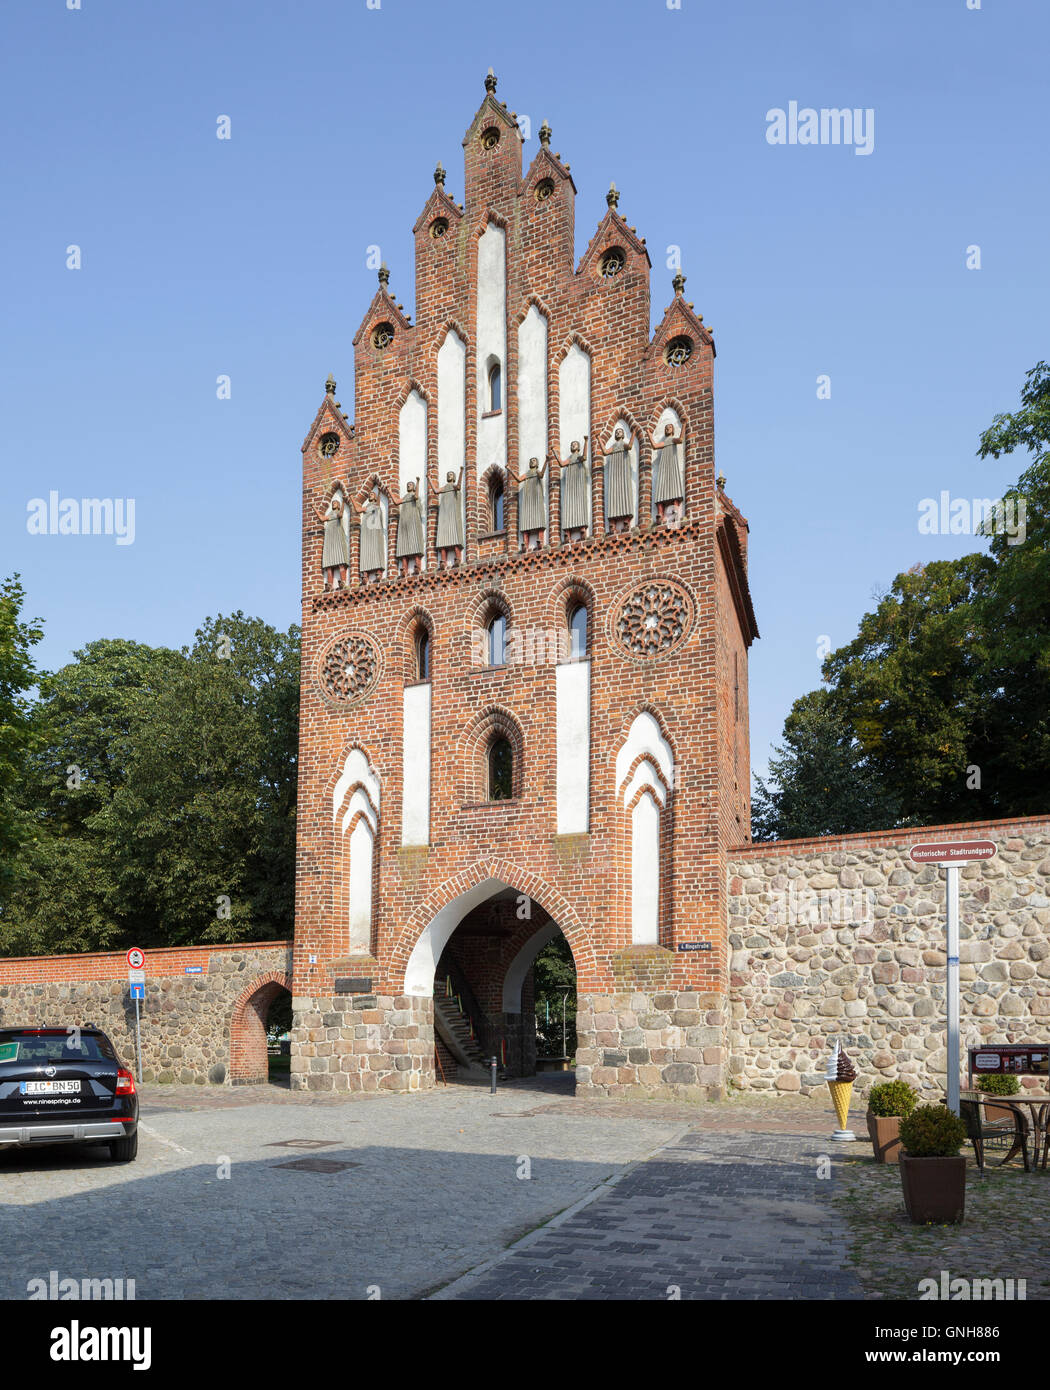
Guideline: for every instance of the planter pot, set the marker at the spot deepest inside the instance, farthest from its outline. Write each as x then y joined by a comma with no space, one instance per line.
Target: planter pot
884,1133
934,1188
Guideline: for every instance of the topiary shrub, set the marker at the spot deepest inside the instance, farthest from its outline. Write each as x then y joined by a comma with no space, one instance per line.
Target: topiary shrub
932,1131
892,1098
999,1085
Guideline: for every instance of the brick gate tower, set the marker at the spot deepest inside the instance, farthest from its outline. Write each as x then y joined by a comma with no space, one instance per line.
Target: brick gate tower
524,689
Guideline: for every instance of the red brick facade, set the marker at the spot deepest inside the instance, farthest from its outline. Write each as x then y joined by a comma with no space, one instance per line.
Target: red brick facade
697,692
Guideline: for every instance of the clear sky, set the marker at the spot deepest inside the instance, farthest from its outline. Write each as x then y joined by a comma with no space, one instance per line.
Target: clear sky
247,257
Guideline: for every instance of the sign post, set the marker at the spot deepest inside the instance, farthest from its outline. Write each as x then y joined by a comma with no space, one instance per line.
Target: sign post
137,981
949,855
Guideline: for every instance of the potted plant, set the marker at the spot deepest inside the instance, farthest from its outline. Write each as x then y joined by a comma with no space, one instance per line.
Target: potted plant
888,1103
933,1172
998,1086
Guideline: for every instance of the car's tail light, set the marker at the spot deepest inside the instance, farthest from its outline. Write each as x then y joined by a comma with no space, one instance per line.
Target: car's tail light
125,1083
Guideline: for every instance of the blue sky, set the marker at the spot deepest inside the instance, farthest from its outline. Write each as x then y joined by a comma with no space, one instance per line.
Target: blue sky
247,257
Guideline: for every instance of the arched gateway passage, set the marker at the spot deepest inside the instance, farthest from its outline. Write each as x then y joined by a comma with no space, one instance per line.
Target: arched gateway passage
256,1006
477,958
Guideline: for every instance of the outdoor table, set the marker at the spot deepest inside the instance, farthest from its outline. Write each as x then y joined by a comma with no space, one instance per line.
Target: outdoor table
1033,1123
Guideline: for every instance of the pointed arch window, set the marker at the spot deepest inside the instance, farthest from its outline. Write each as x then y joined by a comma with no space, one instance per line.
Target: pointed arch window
578,632
501,769
496,501
497,643
495,387
423,655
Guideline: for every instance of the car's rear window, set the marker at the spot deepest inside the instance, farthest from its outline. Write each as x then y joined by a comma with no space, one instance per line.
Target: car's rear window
64,1046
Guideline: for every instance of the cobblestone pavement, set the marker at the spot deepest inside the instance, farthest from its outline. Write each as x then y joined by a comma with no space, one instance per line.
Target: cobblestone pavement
434,1189
713,1215
720,1199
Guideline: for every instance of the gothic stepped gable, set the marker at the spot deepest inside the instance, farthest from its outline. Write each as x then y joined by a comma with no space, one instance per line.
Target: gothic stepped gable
520,686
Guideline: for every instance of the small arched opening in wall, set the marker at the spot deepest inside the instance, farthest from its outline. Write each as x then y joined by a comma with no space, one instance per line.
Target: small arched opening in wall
259,1032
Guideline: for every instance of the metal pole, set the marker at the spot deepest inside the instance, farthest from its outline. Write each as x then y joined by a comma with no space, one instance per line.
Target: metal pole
138,1040
564,1035
952,982
492,1083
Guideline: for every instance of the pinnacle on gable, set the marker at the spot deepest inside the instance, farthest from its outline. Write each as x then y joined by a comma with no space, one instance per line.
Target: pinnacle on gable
329,386
490,82
439,174
679,283
545,135
613,196
384,275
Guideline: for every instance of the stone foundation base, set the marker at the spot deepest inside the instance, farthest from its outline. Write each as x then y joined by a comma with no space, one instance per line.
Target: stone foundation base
356,1042
669,1046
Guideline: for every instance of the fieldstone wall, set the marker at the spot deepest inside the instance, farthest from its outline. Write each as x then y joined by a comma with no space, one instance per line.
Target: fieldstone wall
187,1020
362,1042
667,1044
845,938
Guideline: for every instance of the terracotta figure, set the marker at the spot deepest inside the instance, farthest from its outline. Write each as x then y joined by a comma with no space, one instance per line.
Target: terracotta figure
619,480
336,552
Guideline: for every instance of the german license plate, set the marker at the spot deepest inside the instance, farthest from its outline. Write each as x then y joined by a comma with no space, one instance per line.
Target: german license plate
50,1088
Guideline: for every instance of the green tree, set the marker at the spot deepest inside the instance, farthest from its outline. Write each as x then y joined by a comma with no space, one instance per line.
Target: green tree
822,783
940,707
204,826
1017,609
163,784
553,970
18,735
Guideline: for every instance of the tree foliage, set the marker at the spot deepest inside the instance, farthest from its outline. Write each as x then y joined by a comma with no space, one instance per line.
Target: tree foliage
163,794
939,709
18,676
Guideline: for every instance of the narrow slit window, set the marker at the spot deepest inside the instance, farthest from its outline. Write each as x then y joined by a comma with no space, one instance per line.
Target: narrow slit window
498,641
578,632
495,388
501,770
496,504
423,656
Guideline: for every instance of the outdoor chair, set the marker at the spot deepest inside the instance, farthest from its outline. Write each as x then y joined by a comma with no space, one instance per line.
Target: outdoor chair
980,1131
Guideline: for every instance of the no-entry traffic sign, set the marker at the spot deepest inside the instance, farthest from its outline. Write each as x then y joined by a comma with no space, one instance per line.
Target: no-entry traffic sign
136,958
953,851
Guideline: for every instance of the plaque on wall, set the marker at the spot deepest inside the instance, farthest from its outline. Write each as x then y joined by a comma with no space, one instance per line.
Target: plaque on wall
353,985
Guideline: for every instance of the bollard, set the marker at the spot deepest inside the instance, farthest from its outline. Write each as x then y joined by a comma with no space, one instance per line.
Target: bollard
492,1086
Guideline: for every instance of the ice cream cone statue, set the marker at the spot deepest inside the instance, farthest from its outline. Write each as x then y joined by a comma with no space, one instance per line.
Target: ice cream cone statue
840,1076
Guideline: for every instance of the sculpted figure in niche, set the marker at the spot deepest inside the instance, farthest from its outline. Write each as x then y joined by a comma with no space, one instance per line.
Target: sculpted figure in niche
336,552
450,521
373,536
575,496
619,483
532,505
668,489
409,545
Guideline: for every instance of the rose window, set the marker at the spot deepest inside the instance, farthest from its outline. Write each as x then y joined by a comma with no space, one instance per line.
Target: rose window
349,668
654,619
383,335
612,263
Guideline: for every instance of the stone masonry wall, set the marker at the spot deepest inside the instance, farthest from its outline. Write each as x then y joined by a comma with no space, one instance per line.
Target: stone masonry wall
844,937
187,1020
363,1042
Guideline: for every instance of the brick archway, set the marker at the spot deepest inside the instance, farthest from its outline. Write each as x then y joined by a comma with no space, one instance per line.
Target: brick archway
249,1060
433,922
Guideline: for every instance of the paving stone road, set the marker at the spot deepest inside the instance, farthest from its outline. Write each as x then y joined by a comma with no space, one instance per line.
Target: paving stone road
408,1194
434,1191
711,1216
